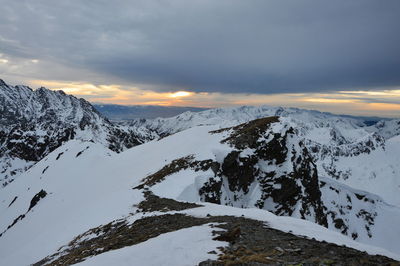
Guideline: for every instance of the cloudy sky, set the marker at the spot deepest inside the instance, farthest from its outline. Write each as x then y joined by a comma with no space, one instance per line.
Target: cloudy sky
341,56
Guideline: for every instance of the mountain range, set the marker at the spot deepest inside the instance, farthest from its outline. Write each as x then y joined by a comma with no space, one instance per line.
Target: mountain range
213,185
127,112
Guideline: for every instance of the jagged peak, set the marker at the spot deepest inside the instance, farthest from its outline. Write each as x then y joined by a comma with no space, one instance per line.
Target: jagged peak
39,102
42,89
61,92
23,87
2,83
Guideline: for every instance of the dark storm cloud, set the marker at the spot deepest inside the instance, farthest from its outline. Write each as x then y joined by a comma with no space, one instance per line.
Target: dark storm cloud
226,46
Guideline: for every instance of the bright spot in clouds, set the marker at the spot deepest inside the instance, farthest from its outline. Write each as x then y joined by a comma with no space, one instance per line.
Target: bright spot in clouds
180,94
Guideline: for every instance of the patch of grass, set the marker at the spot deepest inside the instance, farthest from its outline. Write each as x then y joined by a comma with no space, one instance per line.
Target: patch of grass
245,256
154,203
253,244
176,166
169,169
118,234
247,134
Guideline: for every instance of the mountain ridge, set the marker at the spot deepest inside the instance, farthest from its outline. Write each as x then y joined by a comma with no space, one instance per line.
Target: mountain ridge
127,112
35,122
79,177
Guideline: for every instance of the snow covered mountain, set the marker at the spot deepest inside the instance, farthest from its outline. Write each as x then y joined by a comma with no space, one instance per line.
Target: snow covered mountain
88,193
235,115
126,112
35,122
346,149
84,204
269,166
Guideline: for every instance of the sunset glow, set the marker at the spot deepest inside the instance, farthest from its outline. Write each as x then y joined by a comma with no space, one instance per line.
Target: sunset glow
179,94
385,102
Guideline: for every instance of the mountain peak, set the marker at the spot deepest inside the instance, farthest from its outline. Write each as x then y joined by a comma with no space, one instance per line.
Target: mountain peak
2,83
42,120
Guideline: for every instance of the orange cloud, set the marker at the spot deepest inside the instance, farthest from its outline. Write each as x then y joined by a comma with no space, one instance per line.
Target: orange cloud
382,107
361,102
328,100
180,94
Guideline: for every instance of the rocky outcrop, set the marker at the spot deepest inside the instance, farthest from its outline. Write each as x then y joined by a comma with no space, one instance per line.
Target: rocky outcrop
269,170
271,167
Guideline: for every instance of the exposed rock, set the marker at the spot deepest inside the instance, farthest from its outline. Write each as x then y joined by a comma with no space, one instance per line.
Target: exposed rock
297,185
260,245
40,195
154,203
176,166
250,243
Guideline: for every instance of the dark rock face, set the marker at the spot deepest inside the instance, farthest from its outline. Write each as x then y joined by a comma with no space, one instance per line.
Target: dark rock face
239,172
23,143
283,192
35,200
40,195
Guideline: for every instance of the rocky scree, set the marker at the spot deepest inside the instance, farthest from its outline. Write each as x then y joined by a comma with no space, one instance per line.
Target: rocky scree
250,242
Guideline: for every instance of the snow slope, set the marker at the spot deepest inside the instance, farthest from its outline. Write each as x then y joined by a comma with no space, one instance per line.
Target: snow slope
189,246
87,185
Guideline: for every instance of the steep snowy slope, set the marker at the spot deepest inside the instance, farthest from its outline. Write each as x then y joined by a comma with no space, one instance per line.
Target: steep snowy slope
35,122
84,199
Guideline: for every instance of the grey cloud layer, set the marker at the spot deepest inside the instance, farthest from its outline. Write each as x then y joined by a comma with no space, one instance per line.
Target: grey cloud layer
226,46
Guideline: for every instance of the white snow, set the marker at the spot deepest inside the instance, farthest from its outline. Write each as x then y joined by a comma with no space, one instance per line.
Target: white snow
185,247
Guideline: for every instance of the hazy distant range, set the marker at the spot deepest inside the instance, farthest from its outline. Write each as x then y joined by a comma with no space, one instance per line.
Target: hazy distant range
126,112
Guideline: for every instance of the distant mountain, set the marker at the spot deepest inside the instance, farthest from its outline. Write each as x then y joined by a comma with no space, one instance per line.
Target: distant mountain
126,112
35,122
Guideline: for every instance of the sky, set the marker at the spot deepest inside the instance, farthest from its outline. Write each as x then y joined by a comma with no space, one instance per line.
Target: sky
340,56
